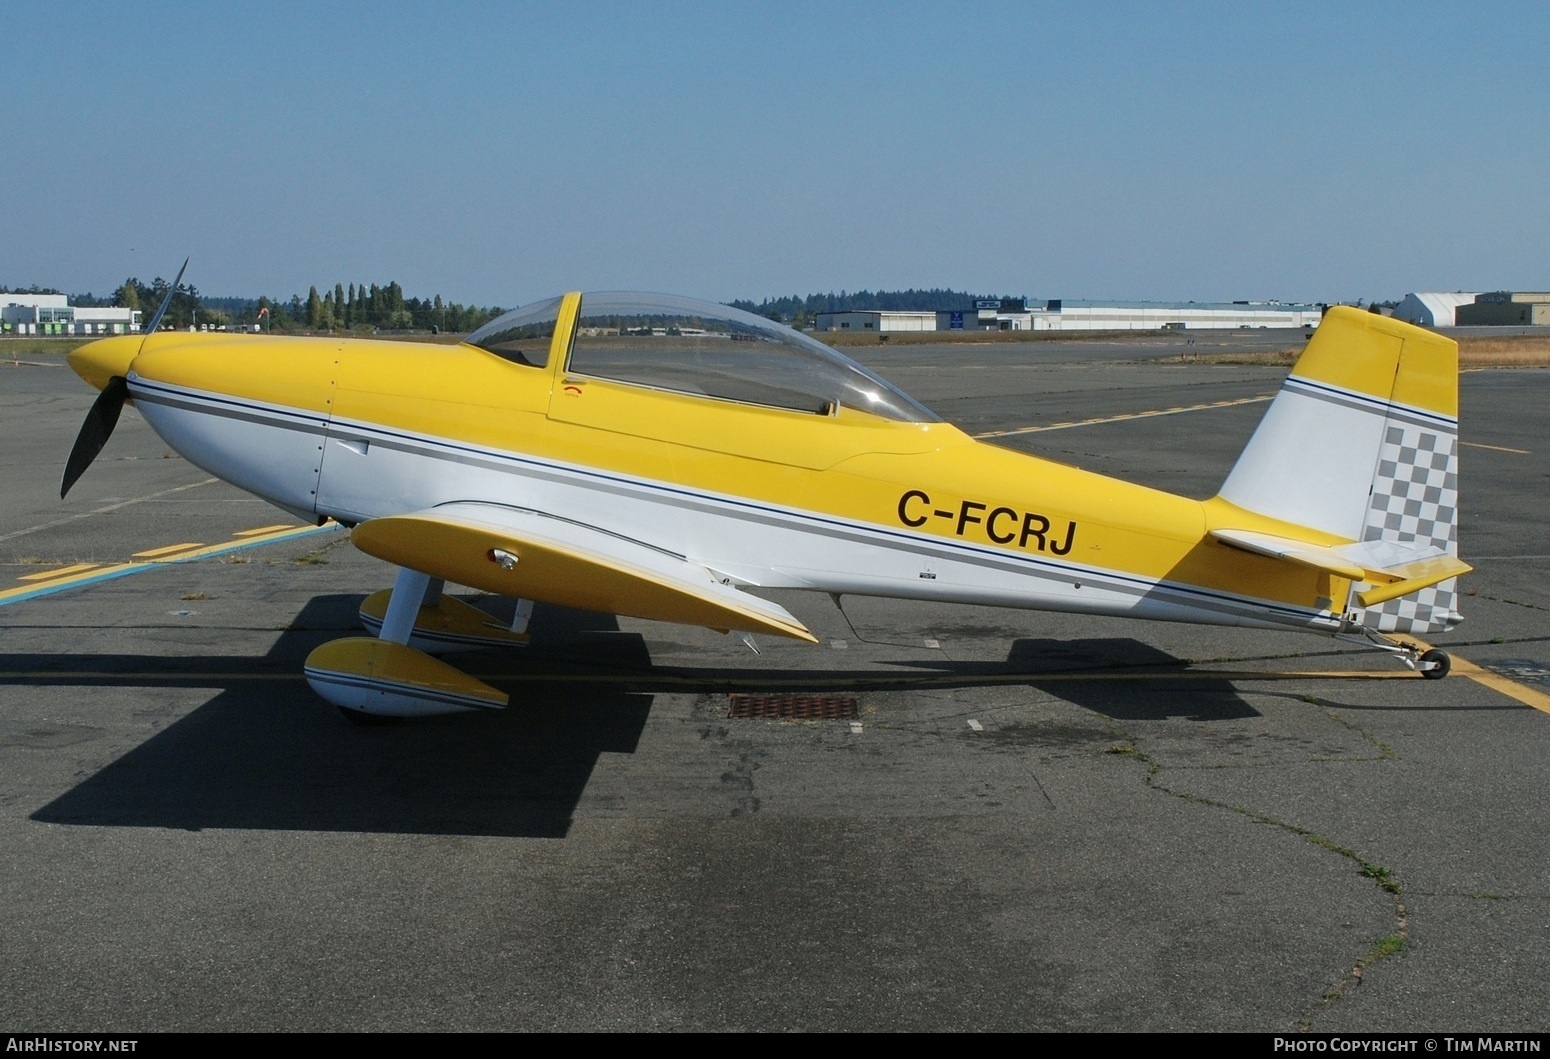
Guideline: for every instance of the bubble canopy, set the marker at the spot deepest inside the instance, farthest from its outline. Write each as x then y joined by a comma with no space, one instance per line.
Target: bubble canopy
687,346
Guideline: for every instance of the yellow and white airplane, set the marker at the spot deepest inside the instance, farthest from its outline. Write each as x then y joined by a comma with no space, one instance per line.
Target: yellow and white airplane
664,458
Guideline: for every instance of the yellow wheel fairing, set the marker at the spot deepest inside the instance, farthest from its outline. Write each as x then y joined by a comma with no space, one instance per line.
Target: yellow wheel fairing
448,624
376,676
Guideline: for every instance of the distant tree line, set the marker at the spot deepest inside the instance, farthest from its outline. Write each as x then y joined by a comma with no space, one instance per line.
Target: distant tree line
373,307
363,307
800,311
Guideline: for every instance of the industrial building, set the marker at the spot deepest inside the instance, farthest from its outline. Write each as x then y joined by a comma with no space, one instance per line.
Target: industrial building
1066,314
884,320
1507,308
1074,315
1432,308
52,314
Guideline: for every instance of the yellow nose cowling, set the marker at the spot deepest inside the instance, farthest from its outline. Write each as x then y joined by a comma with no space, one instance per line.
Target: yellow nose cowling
99,361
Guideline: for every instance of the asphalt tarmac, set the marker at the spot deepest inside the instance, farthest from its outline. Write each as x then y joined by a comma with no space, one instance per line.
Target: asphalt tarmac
1031,822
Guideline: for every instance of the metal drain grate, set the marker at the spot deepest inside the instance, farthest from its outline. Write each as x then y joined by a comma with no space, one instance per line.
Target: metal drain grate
792,707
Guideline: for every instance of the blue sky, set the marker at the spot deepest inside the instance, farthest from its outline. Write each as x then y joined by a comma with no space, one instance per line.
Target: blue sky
499,153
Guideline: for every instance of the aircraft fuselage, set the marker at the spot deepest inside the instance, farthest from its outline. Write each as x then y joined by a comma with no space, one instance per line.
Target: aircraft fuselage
844,502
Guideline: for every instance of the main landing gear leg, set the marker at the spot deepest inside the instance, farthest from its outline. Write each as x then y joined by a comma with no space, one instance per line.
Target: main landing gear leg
387,677
439,624
410,593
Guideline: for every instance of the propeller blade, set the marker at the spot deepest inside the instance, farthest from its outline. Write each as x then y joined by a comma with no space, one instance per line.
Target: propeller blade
150,328
95,432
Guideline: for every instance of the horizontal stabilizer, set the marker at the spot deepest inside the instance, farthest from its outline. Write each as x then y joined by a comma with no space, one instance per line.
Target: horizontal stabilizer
529,555
1315,555
1394,569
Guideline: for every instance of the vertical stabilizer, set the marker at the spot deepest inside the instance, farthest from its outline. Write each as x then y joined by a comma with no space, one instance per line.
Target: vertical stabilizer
1362,443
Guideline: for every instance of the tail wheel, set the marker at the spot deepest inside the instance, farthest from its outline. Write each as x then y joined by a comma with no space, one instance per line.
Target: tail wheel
1435,664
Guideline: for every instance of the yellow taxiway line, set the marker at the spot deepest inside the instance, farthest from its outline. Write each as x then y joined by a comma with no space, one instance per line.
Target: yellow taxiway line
1495,681
169,550
672,680
81,574
1261,398
1461,666
63,571
1496,448
689,680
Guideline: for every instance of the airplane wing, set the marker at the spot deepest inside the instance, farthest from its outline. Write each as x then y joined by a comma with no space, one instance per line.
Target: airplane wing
1393,569
529,555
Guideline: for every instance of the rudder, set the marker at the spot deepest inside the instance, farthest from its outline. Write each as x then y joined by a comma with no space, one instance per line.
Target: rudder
1362,443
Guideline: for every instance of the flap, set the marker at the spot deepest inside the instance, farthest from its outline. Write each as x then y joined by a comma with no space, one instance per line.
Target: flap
530,555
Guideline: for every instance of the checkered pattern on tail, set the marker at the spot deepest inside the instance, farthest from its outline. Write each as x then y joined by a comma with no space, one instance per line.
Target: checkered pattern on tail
1415,501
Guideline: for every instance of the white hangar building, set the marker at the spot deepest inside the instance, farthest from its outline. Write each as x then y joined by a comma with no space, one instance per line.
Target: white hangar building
52,314
1068,314
1433,309
870,320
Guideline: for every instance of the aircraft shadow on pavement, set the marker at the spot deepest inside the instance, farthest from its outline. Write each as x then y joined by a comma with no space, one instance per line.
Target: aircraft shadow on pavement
1120,677
263,753
1127,680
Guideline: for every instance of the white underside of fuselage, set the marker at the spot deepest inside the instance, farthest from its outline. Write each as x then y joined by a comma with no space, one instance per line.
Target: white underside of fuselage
271,451
353,472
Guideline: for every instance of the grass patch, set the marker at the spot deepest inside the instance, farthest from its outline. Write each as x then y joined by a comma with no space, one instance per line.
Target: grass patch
32,346
1384,947
1381,875
1508,351
315,557
1388,946
1273,358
